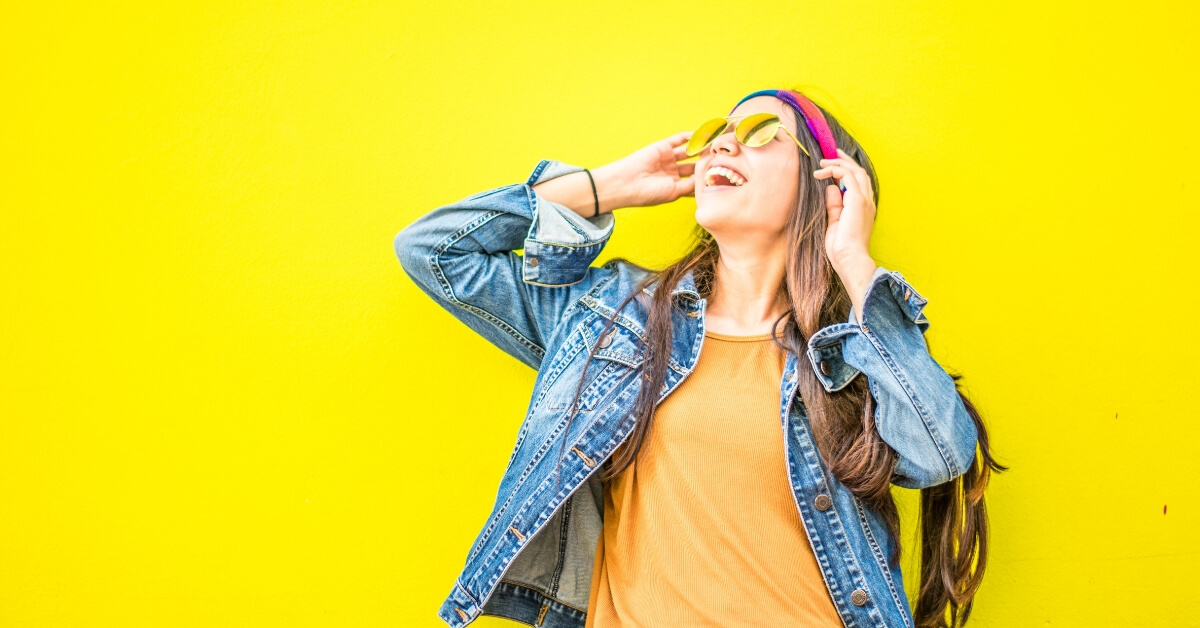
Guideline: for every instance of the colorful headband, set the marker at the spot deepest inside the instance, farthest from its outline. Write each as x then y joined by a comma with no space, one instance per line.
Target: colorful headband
811,114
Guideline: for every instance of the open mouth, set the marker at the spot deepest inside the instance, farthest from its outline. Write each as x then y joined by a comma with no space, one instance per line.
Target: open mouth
720,176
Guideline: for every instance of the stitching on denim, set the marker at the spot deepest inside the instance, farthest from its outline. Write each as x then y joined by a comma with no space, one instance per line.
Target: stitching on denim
458,583
563,527
435,267
542,615
834,522
538,455
561,359
594,392
951,466
566,245
546,517
806,519
880,559
536,205
485,536
515,621
631,325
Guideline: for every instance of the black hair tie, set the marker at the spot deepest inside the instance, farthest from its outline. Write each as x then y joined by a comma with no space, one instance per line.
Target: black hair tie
595,196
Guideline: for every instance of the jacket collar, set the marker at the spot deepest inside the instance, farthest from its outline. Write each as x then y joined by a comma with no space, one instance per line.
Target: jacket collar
685,288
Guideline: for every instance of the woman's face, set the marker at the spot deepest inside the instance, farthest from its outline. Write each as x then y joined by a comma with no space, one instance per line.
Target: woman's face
759,207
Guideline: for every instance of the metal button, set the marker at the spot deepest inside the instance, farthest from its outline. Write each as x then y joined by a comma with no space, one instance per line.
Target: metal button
607,340
859,597
825,367
823,502
533,262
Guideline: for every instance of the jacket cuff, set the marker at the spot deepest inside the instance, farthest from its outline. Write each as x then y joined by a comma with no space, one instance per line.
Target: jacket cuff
560,244
891,303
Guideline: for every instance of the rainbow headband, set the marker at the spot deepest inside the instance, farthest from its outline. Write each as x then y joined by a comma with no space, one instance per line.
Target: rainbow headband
811,114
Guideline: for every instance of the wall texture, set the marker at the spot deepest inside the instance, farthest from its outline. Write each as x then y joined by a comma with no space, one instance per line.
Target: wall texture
222,402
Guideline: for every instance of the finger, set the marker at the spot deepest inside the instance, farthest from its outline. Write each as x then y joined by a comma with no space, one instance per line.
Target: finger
686,170
845,163
864,184
861,174
679,138
844,176
833,203
688,186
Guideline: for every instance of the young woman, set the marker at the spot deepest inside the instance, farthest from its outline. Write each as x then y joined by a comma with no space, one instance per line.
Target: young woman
735,469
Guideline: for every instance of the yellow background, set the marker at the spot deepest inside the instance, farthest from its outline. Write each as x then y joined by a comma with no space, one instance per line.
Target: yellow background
222,403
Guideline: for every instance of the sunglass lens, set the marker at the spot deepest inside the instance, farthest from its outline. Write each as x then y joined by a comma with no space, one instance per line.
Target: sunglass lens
704,135
758,129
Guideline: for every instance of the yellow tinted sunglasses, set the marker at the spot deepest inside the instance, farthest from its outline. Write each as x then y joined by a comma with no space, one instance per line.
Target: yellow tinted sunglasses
754,130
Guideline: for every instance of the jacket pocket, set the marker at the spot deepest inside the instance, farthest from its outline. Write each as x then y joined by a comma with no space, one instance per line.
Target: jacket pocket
618,356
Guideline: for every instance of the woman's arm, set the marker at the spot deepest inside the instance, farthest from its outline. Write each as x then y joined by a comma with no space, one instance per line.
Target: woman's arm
463,255
919,412
574,191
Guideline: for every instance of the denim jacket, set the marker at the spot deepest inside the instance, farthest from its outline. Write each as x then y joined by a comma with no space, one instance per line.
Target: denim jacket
532,562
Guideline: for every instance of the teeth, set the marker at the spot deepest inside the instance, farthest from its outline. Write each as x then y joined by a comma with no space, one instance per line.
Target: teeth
733,177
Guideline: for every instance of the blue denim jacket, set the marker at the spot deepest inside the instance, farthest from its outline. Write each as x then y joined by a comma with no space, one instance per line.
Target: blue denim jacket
532,561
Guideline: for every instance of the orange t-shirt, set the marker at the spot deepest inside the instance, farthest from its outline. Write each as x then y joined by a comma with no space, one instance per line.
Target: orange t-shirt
702,529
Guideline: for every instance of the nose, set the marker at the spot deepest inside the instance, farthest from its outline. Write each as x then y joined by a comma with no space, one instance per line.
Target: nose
725,143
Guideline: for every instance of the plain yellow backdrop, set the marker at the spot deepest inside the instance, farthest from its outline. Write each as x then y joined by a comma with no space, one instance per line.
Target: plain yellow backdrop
222,402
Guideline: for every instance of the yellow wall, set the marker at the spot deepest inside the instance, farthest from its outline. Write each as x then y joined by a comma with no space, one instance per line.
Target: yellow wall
222,403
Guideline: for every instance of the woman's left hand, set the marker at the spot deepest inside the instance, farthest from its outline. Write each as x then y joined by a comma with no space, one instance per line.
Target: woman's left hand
852,214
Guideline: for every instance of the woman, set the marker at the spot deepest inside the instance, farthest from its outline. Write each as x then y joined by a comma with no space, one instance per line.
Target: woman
754,487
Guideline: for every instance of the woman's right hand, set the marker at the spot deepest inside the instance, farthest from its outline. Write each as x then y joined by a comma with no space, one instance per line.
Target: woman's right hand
652,175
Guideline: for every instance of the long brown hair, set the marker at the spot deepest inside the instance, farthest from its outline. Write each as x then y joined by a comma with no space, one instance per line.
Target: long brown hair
953,516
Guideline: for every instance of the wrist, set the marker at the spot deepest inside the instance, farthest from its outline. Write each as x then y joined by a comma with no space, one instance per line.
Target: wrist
851,265
611,188
856,272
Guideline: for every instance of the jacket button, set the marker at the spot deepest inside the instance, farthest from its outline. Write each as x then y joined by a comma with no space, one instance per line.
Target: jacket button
825,367
823,502
907,294
607,340
533,262
859,597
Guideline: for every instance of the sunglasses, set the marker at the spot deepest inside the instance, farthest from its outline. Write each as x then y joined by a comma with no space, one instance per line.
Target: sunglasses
754,130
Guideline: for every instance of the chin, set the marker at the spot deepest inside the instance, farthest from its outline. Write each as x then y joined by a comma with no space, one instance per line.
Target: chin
710,216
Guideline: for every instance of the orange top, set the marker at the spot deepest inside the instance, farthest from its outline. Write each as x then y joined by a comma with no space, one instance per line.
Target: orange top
702,529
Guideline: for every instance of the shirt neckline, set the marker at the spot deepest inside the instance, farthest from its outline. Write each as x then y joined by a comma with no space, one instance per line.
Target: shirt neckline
733,338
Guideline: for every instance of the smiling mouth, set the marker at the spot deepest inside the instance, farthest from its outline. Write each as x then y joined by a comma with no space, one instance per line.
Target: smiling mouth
720,176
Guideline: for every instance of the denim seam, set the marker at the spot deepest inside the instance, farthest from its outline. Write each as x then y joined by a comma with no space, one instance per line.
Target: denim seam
534,530
880,559
948,460
435,266
631,325
537,457
566,245
543,594
590,396
919,408
533,202
563,528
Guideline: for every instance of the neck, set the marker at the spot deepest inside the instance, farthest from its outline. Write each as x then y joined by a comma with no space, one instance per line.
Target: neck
748,294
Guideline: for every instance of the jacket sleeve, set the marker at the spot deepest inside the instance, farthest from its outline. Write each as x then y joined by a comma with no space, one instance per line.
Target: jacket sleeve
918,410
462,256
